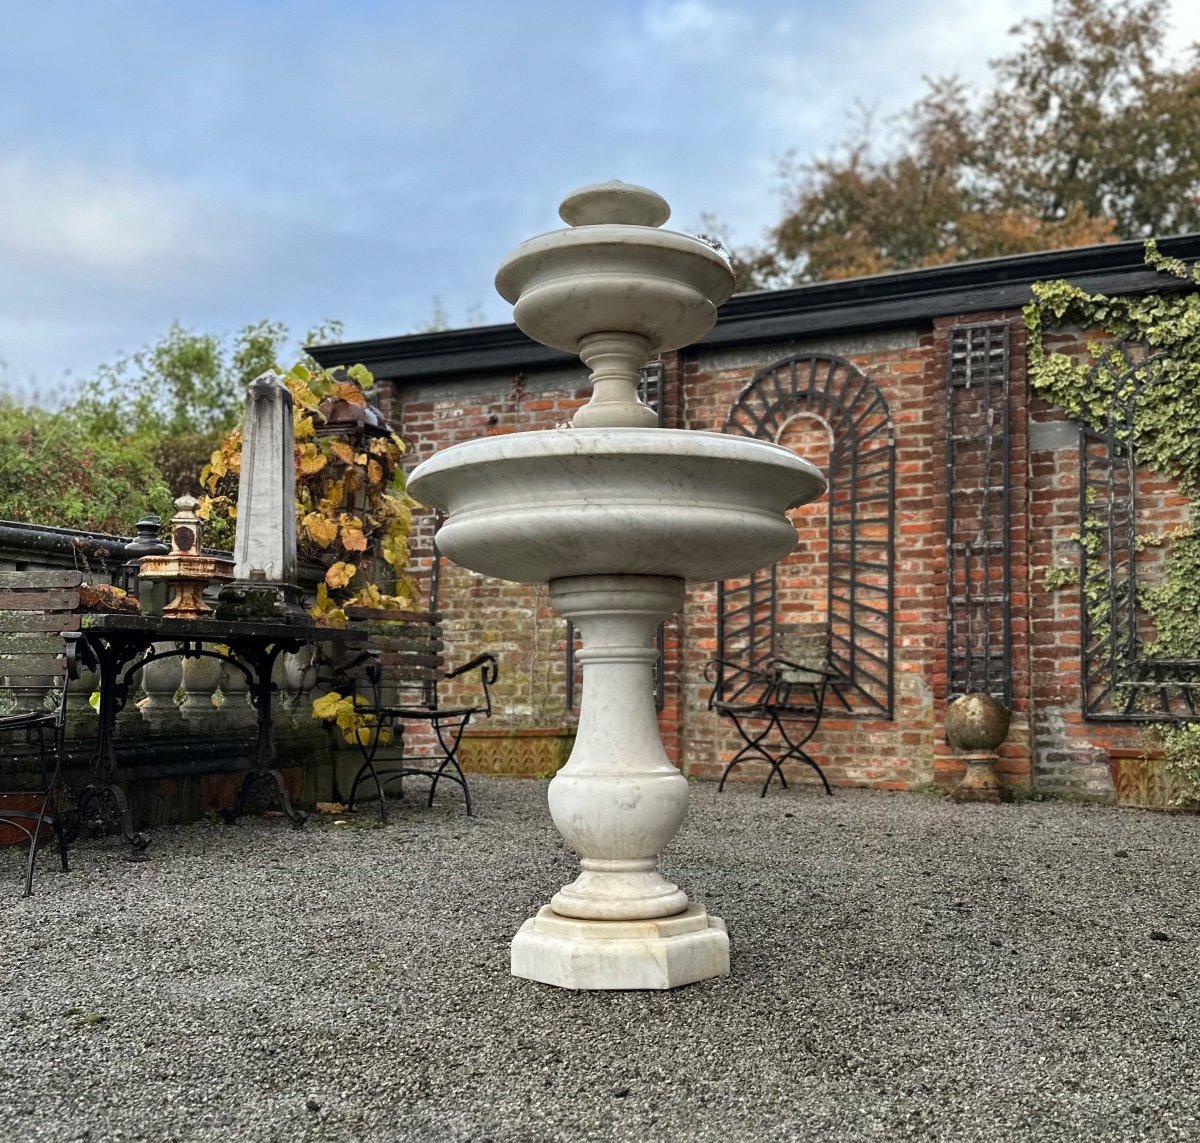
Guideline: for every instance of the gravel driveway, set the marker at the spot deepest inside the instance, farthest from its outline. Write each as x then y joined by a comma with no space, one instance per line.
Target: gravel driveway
903,968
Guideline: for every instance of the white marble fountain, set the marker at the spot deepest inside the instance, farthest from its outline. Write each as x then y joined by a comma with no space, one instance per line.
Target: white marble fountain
616,514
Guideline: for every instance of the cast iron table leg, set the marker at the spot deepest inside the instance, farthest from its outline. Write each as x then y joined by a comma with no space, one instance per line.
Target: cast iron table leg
263,784
102,804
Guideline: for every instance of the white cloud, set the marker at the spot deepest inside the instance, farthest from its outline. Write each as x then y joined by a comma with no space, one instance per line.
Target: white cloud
688,25
90,218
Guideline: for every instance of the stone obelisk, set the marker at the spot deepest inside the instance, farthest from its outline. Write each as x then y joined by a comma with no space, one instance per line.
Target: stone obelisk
264,549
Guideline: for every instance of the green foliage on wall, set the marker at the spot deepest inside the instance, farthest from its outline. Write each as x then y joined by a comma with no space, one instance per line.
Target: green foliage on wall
1165,431
1181,747
1167,418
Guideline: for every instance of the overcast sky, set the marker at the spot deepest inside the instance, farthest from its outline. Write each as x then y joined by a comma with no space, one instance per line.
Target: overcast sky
216,162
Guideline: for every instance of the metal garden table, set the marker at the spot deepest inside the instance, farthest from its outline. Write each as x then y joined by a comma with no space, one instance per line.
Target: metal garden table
115,646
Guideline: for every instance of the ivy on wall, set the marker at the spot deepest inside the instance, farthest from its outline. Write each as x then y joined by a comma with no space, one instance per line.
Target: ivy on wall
1165,431
1167,419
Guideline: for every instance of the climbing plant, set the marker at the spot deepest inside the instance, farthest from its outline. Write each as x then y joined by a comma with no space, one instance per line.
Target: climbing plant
1148,346
1181,750
1167,418
353,514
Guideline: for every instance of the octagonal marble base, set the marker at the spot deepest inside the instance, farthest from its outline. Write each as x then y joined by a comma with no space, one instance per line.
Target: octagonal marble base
664,952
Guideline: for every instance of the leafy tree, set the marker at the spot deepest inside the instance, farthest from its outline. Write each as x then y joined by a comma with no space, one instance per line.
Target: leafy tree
184,383
53,472
1089,115
1086,136
138,434
180,395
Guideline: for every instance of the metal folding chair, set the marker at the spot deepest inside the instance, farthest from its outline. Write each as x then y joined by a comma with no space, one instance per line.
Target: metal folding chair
394,686
775,706
38,610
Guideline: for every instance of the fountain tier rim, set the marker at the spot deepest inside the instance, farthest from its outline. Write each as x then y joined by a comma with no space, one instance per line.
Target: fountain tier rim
585,248
538,506
604,442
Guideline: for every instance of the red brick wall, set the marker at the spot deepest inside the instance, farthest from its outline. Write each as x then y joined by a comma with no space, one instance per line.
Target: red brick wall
513,621
1049,742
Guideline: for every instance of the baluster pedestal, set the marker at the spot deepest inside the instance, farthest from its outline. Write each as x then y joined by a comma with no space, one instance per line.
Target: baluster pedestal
618,802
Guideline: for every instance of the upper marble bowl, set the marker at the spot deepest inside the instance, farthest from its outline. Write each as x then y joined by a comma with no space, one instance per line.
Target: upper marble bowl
538,506
614,270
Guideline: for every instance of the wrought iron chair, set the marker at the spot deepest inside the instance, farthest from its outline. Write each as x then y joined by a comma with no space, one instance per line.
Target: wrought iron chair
38,610
394,684
776,706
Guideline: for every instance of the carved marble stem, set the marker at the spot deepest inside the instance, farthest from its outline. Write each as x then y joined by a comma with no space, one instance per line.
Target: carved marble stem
614,359
618,801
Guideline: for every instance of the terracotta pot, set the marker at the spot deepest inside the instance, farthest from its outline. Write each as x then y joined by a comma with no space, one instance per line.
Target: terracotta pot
528,752
1140,779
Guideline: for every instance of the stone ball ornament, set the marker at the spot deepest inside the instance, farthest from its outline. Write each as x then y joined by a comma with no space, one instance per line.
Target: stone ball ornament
976,722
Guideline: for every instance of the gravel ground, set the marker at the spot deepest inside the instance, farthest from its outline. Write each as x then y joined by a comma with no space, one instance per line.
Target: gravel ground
903,968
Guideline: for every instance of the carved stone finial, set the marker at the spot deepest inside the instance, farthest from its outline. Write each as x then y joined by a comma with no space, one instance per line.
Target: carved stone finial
614,202
185,569
187,529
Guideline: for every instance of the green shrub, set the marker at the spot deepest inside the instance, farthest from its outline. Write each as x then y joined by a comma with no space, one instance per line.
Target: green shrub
53,471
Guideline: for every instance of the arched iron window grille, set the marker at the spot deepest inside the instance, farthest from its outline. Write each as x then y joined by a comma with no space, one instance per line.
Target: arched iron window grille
1121,680
860,521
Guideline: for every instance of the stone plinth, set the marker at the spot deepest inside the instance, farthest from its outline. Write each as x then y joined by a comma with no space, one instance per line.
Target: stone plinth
663,952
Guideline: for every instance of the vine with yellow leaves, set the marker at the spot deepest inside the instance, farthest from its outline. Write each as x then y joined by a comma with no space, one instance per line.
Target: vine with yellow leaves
352,510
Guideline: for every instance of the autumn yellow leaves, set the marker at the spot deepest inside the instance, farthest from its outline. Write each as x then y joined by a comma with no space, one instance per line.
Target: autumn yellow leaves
351,507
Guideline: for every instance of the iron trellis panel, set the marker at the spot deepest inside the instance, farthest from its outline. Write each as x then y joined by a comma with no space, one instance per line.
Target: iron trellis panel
978,517
1121,680
650,381
748,610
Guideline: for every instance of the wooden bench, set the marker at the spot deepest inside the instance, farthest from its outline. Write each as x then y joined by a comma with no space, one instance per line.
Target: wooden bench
39,619
394,685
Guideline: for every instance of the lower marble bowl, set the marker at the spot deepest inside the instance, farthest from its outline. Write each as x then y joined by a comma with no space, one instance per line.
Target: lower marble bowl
537,506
